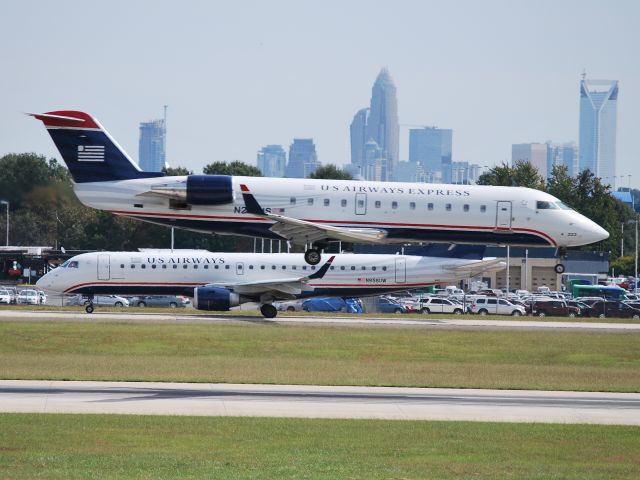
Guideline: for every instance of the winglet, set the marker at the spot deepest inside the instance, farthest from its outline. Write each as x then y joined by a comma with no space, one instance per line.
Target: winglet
320,273
250,201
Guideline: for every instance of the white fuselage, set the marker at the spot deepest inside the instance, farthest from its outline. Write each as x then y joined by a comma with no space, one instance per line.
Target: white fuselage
407,212
179,272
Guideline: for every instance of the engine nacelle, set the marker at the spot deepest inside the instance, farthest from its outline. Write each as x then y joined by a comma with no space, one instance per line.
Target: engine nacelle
209,189
214,298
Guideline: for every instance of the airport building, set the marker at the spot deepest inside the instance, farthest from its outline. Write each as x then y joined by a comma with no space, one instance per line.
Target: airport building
272,161
151,147
598,117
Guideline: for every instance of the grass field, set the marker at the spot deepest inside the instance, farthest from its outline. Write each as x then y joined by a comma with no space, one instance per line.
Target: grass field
326,355
111,446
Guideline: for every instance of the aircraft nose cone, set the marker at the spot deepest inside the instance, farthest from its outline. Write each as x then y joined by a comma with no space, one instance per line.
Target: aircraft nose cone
594,233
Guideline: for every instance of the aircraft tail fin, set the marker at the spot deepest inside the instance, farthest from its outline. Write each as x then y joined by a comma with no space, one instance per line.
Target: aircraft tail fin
87,148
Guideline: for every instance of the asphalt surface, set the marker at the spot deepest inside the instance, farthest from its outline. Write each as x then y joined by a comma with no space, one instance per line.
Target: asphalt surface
319,402
431,321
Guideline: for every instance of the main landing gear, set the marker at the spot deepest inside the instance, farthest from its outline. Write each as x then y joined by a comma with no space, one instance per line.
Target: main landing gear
268,311
559,267
313,255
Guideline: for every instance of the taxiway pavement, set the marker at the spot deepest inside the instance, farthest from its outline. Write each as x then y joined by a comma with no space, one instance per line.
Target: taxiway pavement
319,402
431,321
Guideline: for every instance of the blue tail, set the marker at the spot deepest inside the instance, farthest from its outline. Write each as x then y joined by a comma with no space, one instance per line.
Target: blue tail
88,150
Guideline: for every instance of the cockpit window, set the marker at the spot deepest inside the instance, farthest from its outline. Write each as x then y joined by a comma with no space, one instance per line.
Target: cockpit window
564,206
65,264
545,205
73,264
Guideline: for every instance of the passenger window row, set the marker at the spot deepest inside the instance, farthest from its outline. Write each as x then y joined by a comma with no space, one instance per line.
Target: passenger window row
185,266
394,204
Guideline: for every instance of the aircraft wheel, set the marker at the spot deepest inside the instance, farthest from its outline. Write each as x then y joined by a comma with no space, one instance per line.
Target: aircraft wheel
312,256
559,268
268,311
88,308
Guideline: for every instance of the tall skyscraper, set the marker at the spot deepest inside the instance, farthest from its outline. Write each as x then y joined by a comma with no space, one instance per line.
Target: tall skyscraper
431,147
379,124
272,161
151,147
358,133
303,159
598,113
563,154
534,153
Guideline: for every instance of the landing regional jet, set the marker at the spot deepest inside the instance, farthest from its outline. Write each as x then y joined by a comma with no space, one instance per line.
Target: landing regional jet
311,212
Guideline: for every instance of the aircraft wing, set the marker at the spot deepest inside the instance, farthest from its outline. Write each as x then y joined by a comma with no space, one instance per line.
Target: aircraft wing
481,266
281,287
303,231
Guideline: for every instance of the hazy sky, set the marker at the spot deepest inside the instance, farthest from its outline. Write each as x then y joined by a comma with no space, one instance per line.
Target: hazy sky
240,75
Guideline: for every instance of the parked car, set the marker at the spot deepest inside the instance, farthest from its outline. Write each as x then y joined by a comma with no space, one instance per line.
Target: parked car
99,301
332,304
388,305
171,301
289,306
5,296
496,306
583,307
615,309
440,305
556,308
28,296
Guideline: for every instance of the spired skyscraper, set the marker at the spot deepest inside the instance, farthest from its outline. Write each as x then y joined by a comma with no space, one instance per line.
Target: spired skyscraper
378,123
598,117
152,144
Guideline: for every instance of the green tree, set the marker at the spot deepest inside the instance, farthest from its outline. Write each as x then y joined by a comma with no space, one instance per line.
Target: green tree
522,174
233,168
20,172
331,172
176,171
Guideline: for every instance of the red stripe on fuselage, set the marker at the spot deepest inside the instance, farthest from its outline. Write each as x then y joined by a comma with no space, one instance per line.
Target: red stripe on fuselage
335,222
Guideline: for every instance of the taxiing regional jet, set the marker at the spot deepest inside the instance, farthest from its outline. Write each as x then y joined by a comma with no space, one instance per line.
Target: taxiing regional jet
219,281
311,212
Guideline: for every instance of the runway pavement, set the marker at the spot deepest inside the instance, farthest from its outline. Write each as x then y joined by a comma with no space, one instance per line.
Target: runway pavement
431,321
319,402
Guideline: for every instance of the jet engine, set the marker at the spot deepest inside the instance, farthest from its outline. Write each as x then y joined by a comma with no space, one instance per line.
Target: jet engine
214,298
198,190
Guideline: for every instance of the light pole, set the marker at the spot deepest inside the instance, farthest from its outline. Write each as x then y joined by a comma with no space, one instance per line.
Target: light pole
4,202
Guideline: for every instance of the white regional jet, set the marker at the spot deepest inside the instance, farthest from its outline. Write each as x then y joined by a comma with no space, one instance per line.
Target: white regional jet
311,212
219,281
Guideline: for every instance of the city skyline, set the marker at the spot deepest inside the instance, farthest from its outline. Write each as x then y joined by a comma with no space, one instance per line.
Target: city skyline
234,87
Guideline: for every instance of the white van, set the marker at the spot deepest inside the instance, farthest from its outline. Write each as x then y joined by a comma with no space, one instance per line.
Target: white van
496,306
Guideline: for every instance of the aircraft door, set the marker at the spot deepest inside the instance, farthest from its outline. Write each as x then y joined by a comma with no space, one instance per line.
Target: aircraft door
104,266
503,216
401,270
239,268
361,203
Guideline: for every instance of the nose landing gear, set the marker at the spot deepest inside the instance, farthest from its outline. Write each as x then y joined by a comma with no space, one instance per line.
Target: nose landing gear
561,253
88,305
